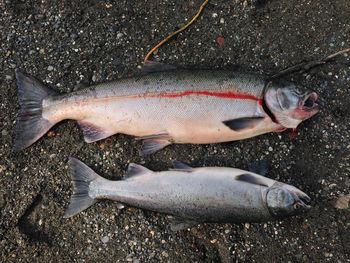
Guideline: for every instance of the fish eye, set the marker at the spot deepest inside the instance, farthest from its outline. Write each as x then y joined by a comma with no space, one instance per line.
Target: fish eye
296,206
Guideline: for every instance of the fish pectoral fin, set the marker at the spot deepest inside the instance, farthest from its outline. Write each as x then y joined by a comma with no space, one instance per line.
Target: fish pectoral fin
249,178
154,66
243,123
135,170
92,132
178,223
180,166
155,142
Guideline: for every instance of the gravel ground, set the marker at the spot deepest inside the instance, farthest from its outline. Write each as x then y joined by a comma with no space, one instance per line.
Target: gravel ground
71,44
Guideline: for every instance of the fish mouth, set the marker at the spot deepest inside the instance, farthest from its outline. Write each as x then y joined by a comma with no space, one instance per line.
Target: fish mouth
302,201
309,103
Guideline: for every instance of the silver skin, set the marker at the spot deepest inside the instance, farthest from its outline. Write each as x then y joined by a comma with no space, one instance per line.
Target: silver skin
166,107
208,194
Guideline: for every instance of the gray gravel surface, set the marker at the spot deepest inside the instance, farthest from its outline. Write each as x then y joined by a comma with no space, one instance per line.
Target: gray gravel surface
71,44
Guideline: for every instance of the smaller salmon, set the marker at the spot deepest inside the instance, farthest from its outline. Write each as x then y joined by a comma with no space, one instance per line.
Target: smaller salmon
208,194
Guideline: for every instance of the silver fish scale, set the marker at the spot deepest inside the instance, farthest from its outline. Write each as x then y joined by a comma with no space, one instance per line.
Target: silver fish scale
211,194
190,106
179,81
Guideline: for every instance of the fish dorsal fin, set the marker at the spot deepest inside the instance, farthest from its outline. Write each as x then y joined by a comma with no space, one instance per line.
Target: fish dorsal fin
251,179
135,170
154,66
259,167
180,166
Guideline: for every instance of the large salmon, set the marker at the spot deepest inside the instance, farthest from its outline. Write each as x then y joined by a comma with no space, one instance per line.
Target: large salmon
166,107
207,194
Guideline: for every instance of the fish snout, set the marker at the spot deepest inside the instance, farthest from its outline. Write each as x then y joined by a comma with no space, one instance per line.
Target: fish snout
302,202
286,200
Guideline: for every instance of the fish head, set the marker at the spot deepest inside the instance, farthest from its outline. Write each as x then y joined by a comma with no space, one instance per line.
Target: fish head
285,200
290,105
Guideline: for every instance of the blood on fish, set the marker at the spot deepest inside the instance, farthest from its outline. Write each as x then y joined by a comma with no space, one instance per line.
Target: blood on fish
293,133
226,95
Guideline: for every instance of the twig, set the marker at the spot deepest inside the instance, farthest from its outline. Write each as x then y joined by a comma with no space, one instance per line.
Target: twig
176,32
305,66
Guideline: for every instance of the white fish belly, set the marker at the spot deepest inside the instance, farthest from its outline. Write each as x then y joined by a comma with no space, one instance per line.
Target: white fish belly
192,119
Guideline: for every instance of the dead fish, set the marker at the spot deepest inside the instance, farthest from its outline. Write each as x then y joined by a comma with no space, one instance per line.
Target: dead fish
166,107
208,194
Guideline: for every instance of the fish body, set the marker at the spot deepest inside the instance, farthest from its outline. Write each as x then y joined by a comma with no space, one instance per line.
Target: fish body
208,194
162,108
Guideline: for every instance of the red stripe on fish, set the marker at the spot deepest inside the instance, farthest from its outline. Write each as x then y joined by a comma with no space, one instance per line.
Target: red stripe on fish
225,95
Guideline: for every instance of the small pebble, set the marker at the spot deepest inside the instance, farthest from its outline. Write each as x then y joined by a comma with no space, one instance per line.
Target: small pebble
342,202
105,239
50,68
220,40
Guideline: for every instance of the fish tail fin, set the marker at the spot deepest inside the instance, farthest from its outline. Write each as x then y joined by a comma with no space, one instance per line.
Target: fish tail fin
82,176
30,124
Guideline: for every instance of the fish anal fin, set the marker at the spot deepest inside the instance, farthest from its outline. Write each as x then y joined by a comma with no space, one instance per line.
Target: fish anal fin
153,145
154,66
249,178
243,123
135,170
92,132
154,142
